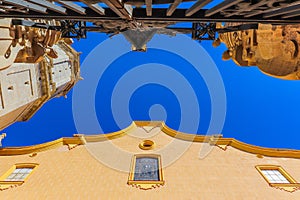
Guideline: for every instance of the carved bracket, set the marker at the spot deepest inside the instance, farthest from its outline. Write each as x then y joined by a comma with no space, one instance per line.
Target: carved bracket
222,146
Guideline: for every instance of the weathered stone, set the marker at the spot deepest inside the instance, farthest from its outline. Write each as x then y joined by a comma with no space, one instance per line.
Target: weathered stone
273,49
35,66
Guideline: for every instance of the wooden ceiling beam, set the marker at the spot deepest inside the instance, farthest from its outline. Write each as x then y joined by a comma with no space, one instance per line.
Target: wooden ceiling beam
196,7
173,7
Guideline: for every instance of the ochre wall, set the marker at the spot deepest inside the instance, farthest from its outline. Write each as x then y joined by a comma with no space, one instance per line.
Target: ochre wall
77,174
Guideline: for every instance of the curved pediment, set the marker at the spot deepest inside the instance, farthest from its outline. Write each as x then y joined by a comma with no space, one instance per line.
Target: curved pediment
148,127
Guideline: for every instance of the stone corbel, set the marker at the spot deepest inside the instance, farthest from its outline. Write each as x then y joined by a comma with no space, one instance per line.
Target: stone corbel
222,146
72,146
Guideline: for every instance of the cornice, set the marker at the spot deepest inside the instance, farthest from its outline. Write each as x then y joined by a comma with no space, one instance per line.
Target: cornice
10,151
216,140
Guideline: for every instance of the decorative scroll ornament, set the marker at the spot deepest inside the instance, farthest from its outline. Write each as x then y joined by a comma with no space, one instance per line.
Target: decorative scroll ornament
286,187
4,185
145,185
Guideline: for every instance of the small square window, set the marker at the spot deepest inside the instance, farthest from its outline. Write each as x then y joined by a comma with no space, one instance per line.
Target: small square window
274,176
19,174
16,175
277,177
146,171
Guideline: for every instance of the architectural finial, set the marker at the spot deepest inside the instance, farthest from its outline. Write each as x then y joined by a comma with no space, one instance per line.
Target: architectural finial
3,135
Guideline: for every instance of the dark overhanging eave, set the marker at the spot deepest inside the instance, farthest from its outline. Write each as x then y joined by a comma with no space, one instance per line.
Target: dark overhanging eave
158,14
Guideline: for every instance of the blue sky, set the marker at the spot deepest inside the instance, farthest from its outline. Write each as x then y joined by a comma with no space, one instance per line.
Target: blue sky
261,110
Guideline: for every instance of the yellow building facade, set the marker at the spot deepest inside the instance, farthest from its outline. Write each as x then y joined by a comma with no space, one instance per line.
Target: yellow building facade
148,160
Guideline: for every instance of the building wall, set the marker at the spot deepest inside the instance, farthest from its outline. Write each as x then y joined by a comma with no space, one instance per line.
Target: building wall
272,48
62,68
35,65
19,86
80,174
32,84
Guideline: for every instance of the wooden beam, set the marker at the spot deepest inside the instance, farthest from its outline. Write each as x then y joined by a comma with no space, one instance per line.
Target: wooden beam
148,7
173,7
141,2
221,6
292,14
114,8
196,7
73,6
158,14
128,8
119,8
98,9
49,5
94,6
26,4
282,11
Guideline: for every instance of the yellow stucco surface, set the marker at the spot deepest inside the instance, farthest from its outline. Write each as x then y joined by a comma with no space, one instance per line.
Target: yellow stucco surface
80,173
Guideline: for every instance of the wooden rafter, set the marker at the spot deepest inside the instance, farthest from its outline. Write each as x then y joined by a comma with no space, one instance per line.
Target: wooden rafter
122,10
196,7
286,10
173,7
98,9
292,14
73,6
225,4
49,5
148,7
25,4
94,6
